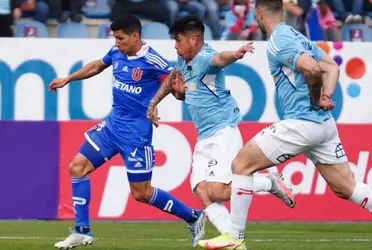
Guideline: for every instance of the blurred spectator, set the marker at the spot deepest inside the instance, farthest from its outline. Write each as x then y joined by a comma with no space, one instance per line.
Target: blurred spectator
213,19
59,6
240,22
151,9
191,6
38,9
327,22
10,10
357,11
292,12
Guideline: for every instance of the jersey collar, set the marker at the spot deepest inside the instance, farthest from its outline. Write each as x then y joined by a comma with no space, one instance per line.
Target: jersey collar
277,26
141,53
205,45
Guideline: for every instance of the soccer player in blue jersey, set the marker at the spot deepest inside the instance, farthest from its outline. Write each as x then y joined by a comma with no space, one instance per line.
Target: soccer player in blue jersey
215,115
138,71
305,80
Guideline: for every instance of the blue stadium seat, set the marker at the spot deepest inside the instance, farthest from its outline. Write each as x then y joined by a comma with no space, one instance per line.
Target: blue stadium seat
207,33
72,30
356,33
96,9
104,31
31,29
155,30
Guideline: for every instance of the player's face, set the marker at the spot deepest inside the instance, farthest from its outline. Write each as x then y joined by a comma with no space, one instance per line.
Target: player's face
126,43
260,20
184,46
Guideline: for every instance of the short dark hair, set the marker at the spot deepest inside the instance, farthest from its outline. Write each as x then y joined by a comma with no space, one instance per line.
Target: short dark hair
127,23
272,5
187,24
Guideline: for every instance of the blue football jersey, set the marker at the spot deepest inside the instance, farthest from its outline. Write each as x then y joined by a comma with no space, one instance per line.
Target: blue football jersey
283,49
136,79
210,104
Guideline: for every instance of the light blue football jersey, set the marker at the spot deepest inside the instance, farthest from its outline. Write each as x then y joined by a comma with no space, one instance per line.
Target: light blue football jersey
283,49
209,102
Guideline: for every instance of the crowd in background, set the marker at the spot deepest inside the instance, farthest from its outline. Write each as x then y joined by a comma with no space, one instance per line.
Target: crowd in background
227,19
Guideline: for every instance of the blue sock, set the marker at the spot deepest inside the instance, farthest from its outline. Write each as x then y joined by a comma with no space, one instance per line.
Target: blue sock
166,202
81,199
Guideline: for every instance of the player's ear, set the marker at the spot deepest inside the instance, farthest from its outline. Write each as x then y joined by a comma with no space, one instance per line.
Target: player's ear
194,39
136,36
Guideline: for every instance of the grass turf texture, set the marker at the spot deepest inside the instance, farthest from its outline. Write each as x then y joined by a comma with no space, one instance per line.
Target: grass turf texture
40,235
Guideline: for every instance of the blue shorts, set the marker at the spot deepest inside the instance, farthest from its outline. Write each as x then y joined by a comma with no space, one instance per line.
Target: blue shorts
101,145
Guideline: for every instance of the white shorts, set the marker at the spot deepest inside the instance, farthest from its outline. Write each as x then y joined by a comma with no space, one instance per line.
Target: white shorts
317,141
213,157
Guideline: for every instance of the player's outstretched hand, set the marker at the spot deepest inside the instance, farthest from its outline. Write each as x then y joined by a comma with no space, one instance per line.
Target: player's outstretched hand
152,114
57,83
248,48
326,103
179,83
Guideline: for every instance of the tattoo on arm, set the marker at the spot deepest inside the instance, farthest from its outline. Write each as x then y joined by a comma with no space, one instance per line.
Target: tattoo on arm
165,89
315,83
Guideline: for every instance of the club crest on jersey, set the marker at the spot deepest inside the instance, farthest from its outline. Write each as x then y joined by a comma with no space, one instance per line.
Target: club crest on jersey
191,86
137,74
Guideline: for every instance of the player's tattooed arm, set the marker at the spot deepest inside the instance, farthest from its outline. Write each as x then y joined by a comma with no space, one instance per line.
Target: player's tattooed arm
165,88
331,74
314,76
178,85
225,58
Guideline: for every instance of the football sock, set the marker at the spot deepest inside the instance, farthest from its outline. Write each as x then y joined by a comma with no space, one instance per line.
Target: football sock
241,198
219,216
261,184
362,196
80,200
166,202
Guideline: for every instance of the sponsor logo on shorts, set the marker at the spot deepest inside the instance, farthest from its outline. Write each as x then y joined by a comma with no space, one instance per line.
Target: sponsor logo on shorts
271,128
135,159
133,154
212,162
284,157
339,151
138,165
211,173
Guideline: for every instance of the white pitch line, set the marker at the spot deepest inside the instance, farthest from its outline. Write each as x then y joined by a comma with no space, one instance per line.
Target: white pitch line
178,240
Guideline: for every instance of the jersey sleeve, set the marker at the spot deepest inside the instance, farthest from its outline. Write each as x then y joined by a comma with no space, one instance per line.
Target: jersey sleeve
318,53
285,51
205,60
161,69
107,59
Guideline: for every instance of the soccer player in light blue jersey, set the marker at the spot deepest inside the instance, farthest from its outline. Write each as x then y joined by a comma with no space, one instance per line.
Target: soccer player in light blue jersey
138,72
305,80
215,115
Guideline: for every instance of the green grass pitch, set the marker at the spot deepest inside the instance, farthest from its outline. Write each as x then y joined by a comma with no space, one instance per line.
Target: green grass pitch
41,235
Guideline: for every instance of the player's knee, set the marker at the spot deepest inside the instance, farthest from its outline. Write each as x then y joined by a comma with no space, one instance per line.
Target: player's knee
218,192
142,195
201,191
77,170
